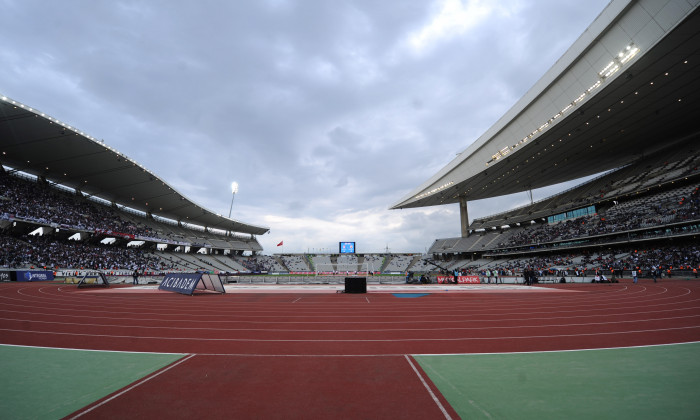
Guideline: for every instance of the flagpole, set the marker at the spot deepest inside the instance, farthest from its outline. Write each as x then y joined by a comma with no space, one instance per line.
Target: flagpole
289,278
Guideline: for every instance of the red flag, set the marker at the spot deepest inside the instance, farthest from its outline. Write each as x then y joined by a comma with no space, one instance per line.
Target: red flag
281,243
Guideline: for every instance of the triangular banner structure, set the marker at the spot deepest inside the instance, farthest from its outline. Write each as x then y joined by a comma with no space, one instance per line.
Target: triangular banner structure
187,283
93,280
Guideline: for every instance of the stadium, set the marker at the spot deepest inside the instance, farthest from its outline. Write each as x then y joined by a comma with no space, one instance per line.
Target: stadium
580,305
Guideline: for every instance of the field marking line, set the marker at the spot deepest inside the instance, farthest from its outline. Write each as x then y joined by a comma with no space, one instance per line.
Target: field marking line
559,351
152,327
430,391
93,350
412,318
419,339
141,382
364,355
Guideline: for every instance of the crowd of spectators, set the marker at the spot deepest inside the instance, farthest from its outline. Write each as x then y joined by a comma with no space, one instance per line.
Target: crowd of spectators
669,259
258,263
12,253
663,210
45,205
45,252
41,203
51,253
665,258
295,263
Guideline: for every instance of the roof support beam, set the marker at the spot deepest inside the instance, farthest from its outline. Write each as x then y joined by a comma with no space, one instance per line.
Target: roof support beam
464,216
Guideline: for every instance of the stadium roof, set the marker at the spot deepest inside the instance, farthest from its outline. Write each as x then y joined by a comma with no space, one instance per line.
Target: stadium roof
629,86
35,143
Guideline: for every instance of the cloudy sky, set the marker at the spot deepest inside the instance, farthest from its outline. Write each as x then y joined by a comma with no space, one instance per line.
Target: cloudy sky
325,112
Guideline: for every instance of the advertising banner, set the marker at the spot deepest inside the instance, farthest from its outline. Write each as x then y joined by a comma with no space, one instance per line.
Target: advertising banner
468,280
33,276
460,279
107,232
180,282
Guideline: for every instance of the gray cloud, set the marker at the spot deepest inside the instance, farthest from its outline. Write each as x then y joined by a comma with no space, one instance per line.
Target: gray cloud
325,112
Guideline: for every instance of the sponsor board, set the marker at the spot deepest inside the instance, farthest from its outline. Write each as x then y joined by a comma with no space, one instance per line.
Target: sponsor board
107,232
460,279
181,283
34,276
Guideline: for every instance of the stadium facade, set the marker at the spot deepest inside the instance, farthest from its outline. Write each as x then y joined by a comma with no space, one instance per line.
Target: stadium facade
55,155
628,88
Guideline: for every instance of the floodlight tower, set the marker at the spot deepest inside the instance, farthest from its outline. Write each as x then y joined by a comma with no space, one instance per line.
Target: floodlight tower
234,190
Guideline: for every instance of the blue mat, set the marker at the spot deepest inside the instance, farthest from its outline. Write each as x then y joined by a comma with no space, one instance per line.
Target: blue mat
410,295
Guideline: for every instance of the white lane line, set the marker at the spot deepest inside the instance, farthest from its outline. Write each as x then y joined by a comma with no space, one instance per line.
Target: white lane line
430,391
143,381
93,350
591,313
558,351
365,354
369,330
390,340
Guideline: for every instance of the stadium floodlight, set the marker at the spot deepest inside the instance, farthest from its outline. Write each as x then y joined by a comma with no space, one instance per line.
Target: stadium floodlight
234,190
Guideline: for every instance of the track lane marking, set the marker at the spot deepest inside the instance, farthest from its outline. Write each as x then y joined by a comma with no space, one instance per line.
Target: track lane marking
430,391
131,337
378,312
138,383
153,327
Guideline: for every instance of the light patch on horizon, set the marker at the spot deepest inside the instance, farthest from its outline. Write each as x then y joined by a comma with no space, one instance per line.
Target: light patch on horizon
309,233
453,19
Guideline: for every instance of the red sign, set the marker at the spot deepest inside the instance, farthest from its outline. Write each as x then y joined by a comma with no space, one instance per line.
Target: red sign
460,279
113,233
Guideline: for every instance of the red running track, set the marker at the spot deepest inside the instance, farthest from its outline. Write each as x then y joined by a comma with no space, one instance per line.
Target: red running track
317,341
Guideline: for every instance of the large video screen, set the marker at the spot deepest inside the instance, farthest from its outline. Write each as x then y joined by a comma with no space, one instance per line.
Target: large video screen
347,247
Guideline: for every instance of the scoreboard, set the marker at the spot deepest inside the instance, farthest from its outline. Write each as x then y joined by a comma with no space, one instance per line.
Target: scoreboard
346,247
